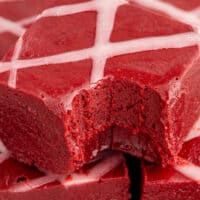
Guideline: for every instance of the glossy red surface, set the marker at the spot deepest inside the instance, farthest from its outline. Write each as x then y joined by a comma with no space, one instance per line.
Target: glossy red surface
184,4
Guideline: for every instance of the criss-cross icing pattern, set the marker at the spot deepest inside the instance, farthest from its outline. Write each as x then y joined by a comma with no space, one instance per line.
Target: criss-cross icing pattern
103,49
10,26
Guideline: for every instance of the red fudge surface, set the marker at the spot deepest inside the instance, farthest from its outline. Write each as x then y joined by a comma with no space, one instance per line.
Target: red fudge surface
16,16
168,184
85,69
185,4
104,179
180,182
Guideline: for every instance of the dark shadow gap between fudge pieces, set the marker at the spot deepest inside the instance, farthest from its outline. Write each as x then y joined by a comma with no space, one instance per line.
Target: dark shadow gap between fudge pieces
135,175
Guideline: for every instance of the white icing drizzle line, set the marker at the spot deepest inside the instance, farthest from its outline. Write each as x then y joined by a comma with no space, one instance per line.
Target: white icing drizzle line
105,22
35,183
67,99
102,48
4,156
27,21
111,161
194,132
7,25
111,49
16,28
2,147
106,11
4,153
190,18
196,12
69,9
13,71
190,171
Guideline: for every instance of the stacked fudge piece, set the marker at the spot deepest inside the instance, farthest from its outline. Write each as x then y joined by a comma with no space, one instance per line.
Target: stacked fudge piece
105,178
93,76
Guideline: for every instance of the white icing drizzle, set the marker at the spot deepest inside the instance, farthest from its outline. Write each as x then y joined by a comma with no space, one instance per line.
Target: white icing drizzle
69,9
67,99
13,71
104,147
95,152
106,11
111,49
4,156
35,183
16,28
7,25
105,22
4,153
196,11
111,161
194,132
2,147
189,170
180,15
27,21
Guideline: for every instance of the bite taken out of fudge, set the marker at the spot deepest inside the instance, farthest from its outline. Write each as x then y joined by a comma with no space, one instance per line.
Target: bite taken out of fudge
83,69
103,179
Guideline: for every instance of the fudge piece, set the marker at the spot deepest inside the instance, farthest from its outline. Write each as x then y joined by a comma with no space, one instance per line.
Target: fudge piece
16,16
169,184
180,182
104,179
85,68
